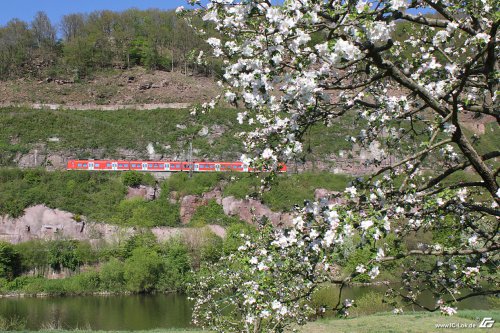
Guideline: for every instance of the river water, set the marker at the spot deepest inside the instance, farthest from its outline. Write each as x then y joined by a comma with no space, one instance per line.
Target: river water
130,312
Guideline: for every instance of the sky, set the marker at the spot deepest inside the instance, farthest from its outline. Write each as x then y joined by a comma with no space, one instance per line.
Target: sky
55,9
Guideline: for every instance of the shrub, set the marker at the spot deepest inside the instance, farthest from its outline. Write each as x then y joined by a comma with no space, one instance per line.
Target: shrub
10,261
142,270
211,249
112,275
63,253
82,283
131,178
176,266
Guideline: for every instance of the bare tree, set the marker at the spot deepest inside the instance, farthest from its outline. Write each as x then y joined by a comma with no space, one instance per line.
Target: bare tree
43,30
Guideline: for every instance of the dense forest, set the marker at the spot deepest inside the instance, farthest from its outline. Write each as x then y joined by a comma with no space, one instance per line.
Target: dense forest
82,43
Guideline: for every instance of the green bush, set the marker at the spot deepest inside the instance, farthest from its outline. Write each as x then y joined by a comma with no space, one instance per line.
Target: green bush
92,194
82,283
135,178
112,275
63,254
132,178
10,261
143,239
142,270
176,266
143,213
212,248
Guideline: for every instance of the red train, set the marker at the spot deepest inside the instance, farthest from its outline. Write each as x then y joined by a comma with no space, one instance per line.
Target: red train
160,166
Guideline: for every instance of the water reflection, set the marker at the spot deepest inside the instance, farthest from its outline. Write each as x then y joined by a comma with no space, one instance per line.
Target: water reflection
128,312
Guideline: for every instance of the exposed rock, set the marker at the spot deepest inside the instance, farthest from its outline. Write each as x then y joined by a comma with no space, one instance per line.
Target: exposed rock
145,192
35,158
215,194
41,222
203,131
129,154
60,82
189,204
180,126
55,162
251,211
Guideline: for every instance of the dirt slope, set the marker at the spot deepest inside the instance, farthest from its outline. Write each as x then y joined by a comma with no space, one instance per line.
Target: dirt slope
119,87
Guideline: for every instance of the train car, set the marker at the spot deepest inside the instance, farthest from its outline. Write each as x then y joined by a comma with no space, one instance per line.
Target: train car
162,166
97,165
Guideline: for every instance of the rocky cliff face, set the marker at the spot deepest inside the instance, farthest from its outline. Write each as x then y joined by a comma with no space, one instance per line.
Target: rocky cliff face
248,210
41,222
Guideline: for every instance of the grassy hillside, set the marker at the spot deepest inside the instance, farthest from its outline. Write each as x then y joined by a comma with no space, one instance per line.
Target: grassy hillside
79,133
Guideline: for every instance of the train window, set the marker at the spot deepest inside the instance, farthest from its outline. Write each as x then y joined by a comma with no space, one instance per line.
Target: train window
79,165
156,165
150,165
133,165
177,165
108,165
126,165
84,165
97,165
120,165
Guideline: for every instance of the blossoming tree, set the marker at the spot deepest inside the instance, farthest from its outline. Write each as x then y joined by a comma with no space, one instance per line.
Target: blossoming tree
415,73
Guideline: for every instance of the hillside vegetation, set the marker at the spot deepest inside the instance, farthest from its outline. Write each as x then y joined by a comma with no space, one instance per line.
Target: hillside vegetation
101,197
116,134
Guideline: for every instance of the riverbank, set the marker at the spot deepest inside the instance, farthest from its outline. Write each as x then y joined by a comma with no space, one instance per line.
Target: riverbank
382,322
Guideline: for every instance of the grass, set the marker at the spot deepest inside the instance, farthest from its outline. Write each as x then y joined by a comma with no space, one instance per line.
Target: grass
411,322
